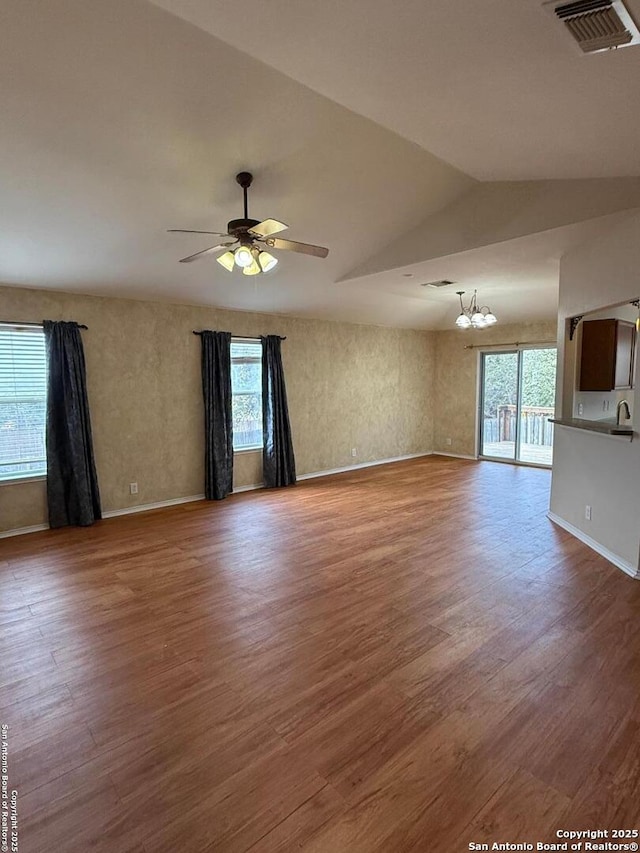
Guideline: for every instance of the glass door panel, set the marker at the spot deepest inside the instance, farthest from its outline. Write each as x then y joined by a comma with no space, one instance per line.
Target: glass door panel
499,405
538,382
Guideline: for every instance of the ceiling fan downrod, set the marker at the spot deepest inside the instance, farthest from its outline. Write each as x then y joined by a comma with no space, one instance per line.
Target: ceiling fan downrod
245,179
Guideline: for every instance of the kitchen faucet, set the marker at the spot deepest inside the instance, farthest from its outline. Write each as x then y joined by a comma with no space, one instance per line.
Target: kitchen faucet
627,414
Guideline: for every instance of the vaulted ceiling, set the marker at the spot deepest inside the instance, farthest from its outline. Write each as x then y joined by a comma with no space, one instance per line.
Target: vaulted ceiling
122,119
496,88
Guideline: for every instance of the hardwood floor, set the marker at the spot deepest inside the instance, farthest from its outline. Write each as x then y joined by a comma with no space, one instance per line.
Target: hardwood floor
408,657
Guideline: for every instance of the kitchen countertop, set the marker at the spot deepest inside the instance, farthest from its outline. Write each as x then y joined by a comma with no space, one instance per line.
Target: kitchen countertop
604,427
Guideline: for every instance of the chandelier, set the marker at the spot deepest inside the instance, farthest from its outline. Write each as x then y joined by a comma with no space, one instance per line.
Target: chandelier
473,317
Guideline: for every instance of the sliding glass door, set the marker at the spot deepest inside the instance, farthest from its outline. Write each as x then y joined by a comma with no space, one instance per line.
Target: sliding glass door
499,397
517,394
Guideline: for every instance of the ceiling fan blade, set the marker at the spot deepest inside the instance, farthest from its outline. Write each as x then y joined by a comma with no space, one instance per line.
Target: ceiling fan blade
209,251
292,246
183,231
268,227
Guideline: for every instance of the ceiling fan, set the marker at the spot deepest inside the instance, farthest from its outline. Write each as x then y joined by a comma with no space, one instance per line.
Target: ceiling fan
250,234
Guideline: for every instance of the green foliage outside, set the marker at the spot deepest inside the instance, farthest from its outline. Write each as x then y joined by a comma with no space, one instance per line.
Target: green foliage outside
501,380
246,376
246,382
247,409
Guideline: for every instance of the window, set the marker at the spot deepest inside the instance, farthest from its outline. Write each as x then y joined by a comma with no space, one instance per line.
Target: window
246,390
23,402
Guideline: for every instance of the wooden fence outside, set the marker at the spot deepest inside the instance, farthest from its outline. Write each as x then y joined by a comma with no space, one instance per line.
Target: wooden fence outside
534,425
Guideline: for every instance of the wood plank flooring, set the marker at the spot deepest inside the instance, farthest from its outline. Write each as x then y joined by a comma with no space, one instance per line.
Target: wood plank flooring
404,658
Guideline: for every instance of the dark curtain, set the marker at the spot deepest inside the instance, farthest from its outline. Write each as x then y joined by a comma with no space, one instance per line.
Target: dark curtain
278,461
72,485
218,422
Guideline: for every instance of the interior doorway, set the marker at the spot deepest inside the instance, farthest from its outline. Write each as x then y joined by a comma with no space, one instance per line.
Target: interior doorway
517,398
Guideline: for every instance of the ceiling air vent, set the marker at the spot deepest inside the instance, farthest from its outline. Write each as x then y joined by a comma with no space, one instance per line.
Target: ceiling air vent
442,283
598,24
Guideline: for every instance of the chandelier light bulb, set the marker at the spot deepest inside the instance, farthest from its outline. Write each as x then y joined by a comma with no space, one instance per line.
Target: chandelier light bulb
463,321
490,319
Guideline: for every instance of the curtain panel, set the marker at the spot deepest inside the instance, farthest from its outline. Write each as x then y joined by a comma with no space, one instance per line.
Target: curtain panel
278,461
73,496
218,421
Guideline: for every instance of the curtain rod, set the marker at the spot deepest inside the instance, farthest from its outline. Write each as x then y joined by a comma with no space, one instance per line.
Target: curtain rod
243,337
512,344
32,325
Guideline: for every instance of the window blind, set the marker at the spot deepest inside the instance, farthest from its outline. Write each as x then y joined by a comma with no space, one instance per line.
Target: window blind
23,400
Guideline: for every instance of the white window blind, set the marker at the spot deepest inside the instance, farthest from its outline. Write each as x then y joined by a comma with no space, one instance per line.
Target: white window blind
246,389
23,401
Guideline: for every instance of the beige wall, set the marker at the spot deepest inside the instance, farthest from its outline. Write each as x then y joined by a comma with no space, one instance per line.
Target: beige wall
456,379
349,386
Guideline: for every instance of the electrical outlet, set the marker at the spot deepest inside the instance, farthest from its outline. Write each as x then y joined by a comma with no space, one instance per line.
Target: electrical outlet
133,488
581,408
447,441
354,451
587,512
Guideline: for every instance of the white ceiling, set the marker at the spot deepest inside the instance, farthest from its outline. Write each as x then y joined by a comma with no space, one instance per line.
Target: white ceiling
495,87
120,120
517,278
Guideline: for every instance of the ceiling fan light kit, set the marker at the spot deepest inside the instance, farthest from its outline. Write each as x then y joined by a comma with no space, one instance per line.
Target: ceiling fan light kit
243,256
267,262
249,256
227,260
252,269
474,317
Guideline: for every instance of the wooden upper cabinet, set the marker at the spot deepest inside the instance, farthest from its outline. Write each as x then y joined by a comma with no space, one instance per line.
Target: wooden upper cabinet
606,362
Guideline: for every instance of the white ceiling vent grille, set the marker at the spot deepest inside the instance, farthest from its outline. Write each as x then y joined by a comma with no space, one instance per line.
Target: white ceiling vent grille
598,24
444,282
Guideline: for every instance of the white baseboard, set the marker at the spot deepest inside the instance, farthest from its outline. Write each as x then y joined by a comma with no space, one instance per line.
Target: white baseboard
617,561
20,531
455,455
113,513
110,513
327,472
